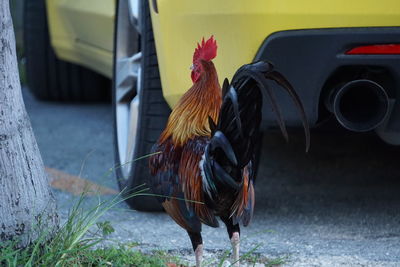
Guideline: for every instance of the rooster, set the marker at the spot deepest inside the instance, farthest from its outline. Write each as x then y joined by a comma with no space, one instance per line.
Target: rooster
203,164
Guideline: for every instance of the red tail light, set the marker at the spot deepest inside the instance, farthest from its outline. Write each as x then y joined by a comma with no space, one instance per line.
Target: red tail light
382,49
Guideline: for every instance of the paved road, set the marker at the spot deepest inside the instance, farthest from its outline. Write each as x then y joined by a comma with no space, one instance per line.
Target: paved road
338,205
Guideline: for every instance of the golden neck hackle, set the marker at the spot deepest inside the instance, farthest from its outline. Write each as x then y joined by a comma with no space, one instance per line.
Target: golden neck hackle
189,118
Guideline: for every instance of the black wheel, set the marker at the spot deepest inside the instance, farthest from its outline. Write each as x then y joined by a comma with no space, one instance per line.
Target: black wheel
48,77
140,111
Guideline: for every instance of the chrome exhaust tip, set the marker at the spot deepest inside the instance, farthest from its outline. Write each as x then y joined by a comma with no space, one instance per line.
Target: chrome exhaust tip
359,105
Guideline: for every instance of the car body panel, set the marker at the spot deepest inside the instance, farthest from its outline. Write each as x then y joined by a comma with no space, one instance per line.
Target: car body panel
82,32
241,27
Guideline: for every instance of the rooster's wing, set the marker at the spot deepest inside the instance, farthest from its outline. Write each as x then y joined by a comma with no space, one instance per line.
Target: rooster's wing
177,183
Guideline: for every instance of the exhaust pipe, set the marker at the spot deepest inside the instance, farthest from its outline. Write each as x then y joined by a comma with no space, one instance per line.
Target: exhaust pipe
359,105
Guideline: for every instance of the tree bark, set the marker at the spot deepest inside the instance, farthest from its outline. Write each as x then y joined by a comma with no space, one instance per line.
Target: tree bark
27,205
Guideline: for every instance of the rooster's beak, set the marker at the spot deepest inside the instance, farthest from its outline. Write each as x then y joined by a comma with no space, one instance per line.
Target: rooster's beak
191,67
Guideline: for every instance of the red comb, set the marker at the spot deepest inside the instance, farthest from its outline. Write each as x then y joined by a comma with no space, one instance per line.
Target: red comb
206,51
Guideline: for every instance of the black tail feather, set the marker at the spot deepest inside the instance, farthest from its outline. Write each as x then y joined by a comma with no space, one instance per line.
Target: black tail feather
256,72
281,80
225,87
220,141
232,96
213,126
239,124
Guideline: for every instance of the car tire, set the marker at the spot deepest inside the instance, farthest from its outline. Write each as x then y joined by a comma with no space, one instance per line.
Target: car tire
50,78
151,111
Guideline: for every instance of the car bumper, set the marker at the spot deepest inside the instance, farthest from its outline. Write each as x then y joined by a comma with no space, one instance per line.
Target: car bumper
312,61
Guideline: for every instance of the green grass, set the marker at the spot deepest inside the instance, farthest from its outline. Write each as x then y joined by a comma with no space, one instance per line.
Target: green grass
120,256
74,243
81,256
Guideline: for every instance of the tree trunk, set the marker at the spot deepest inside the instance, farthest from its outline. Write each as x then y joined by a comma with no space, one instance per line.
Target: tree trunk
26,201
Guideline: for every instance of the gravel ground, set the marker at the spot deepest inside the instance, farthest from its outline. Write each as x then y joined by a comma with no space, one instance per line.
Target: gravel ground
338,205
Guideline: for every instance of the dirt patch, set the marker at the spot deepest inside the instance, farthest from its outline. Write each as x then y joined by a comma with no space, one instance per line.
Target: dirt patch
75,184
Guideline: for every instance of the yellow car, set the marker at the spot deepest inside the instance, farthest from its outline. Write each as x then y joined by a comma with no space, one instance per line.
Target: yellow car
342,57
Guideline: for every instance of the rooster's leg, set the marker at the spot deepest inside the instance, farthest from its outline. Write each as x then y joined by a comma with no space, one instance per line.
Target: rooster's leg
234,236
197,243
